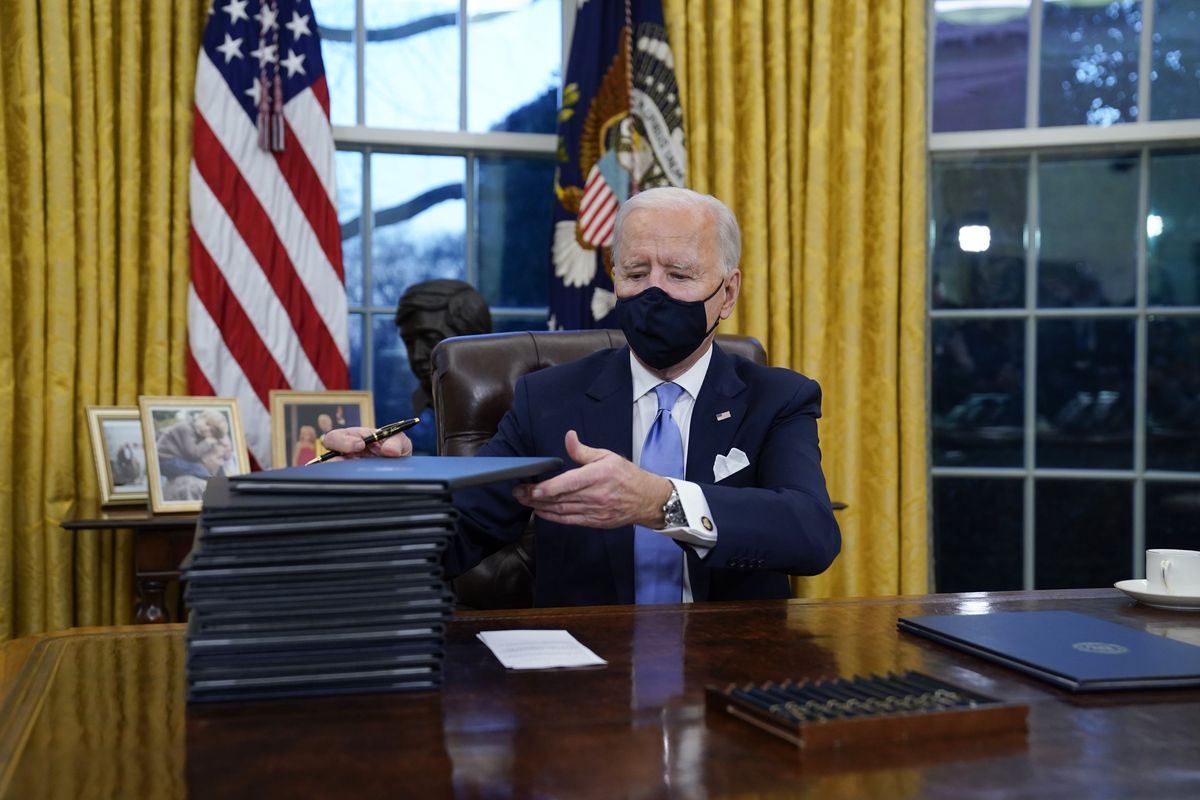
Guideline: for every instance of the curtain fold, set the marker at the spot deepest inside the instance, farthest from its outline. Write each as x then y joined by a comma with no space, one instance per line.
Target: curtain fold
95,137
808,118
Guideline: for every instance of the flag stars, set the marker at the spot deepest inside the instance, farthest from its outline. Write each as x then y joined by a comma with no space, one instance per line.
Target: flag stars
266,54
268,18
231,49
298,26
255,92
236,9
293,63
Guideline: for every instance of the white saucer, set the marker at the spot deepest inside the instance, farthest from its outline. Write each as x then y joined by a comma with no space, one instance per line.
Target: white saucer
1137,590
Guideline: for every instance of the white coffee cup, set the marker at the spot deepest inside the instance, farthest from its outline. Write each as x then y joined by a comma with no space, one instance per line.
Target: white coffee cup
1173,572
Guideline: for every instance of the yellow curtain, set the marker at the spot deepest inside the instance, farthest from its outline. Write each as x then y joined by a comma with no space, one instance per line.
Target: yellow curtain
95,140
808,118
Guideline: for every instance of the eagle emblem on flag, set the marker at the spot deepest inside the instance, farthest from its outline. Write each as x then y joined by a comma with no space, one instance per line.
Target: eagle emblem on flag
620,131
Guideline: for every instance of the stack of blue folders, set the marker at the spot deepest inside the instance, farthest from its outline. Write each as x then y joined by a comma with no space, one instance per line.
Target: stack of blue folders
327,579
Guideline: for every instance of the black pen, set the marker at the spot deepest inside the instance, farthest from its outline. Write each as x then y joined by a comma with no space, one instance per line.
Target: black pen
379,435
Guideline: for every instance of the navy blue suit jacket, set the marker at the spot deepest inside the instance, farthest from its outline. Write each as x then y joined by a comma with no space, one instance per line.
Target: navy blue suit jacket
773,517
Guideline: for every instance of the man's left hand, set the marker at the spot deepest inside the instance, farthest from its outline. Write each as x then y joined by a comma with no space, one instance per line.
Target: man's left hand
605,491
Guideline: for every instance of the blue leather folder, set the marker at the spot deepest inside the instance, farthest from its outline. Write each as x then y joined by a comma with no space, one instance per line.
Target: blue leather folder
1075,651
390,475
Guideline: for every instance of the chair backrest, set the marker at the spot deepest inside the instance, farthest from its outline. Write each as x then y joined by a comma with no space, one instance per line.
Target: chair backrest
474,378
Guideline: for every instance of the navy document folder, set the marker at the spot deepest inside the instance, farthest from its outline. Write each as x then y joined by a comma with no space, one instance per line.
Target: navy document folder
1075,651
413,474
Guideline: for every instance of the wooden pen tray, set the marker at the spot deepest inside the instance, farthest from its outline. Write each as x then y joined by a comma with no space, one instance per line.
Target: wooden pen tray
849,712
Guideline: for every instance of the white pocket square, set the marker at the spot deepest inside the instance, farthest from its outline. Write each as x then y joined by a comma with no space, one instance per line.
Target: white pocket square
725,466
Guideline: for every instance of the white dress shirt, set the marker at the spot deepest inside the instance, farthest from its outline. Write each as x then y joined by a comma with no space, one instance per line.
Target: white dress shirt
645,408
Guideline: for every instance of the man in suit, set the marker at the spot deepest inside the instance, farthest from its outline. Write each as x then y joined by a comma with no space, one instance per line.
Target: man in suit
750,506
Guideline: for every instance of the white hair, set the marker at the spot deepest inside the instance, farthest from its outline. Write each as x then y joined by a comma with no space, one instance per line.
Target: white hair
729,235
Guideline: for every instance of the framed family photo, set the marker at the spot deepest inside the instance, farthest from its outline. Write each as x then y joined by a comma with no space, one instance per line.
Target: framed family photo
190,440
300,419
116,435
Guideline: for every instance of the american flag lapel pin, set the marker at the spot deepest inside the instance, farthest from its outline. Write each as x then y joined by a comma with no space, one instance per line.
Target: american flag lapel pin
724,415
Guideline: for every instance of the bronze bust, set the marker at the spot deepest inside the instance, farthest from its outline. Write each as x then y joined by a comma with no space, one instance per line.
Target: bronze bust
429,312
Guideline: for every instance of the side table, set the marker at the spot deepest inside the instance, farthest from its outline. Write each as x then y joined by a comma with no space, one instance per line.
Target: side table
160,543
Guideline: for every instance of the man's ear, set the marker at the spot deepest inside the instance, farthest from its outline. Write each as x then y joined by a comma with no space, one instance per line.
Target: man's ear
733,285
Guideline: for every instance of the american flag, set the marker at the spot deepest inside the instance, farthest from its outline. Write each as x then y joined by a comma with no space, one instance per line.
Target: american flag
267,301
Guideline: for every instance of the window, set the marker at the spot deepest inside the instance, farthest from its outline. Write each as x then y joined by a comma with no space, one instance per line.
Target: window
1064,302
444,115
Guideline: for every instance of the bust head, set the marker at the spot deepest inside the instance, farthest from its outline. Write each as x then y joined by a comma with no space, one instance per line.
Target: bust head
434,310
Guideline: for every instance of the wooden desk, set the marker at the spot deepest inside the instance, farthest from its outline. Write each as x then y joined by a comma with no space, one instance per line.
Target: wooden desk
101,714
160,543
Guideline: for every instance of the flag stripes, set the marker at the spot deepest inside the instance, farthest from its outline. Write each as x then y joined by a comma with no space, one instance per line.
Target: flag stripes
597,211
267,303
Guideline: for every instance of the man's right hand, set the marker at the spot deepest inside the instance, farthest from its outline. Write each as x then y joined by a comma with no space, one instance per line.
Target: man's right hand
349,442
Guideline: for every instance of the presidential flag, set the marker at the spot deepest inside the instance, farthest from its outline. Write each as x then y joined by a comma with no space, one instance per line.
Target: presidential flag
267,301
620,130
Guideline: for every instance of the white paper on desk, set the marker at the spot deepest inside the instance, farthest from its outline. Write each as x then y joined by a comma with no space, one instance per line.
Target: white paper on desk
538,649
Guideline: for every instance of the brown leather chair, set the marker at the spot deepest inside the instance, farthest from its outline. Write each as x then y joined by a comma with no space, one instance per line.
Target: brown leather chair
473,382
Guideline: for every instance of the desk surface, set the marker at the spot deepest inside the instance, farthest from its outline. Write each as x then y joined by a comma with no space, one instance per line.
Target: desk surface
100,713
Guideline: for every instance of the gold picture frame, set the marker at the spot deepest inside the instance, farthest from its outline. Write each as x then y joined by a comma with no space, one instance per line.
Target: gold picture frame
194,438
292,412
117,446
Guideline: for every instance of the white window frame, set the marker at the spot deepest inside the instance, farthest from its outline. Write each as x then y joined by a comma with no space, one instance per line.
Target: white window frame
1034,142
369,140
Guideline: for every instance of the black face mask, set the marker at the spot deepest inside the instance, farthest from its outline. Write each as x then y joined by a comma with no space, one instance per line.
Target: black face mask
661,330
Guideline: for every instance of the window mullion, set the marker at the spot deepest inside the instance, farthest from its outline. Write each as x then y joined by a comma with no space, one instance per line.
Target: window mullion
469,193
1033,85
368,235
1140,356
1032,248
1145,61
462,65
360,55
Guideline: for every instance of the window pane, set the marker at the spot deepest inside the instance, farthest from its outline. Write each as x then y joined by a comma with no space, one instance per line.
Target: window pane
1085,393
514,208
980,60
1173,396
979,220
336,18
1173,229
1084,534
978,392
412,60
514,62
349,169
1089,62
1173,515
419,222
977,539
1099,196
1176,60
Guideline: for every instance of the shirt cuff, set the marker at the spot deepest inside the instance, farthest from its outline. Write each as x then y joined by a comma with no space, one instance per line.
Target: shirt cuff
700,531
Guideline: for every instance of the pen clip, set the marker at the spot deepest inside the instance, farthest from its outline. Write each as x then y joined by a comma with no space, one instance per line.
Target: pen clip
391,429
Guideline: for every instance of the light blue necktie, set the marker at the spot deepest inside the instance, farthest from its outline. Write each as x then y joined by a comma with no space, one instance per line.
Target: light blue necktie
657,560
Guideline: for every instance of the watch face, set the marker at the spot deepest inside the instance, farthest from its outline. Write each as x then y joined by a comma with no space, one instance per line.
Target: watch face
673,511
